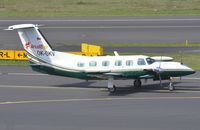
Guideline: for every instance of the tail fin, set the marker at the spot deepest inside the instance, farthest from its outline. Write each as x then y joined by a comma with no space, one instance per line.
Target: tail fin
33,40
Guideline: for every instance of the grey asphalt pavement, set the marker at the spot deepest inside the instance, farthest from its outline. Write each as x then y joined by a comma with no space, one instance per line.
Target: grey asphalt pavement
66,34
29,100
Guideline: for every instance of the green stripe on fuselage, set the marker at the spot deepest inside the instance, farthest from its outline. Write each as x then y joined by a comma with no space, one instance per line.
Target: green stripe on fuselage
91,76
52,71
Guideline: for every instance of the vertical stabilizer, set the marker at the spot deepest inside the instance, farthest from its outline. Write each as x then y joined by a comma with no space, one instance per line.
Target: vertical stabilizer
33,41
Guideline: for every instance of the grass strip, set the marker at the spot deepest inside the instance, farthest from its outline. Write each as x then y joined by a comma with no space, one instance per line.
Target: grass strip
138,44
14,63
59,8
173,44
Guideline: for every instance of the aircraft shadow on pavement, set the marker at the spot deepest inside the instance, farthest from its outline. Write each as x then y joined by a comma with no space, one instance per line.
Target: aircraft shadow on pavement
149,88
189,86
121,90
126,90
84,84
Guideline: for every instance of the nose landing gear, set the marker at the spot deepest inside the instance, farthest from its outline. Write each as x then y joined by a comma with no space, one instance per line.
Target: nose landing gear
171,85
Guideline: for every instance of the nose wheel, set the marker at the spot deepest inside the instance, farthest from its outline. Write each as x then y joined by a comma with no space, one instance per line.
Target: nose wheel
171,85
112,90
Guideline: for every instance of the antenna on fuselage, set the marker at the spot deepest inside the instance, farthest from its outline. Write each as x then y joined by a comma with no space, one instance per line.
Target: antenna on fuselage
181,55
116,53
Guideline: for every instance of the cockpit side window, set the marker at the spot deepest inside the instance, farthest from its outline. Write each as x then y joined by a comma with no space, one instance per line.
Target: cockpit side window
141,61
150,60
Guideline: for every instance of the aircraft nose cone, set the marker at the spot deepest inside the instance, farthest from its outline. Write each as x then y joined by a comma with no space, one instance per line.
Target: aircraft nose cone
192,72
188,70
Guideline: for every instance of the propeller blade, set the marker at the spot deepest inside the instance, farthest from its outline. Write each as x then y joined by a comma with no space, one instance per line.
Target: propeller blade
160,80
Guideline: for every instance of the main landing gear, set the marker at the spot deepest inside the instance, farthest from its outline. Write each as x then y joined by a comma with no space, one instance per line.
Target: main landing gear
111,86
137,83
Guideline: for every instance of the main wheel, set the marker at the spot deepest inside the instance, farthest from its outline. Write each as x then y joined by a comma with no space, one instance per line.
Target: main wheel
112,90
137,83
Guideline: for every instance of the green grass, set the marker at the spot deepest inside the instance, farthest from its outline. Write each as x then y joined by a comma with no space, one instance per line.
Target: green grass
177,44
190,59
10,8
14,62
139,44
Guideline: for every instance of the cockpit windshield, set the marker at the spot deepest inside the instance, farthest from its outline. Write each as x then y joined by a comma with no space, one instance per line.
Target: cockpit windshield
150,60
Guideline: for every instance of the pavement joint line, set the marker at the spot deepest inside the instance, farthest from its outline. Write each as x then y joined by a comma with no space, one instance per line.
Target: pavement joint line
99,27
101,20
194,90
96,99
3,73
122,27
189,78
48,87
26,74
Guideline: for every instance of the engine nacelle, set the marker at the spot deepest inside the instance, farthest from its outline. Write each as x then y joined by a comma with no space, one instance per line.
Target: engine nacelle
162,58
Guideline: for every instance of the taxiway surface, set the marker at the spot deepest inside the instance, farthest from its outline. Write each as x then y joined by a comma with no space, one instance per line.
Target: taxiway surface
66,34
29,100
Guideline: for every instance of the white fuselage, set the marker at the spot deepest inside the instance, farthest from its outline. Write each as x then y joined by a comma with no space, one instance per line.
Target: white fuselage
109,63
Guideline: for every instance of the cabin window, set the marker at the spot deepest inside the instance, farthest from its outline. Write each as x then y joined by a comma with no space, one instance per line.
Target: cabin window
80,64
105,63
141,61
118,63
93,63
129,63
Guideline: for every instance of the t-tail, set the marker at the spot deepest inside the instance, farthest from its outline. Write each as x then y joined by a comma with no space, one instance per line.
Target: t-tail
33,41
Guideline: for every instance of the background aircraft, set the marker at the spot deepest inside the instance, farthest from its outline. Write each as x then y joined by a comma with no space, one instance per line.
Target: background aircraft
134,67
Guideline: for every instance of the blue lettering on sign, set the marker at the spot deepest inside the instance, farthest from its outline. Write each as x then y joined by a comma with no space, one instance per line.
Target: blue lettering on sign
45,53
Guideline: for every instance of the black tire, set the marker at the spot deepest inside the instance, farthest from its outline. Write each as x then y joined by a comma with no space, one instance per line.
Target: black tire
112,90
137,83
171,87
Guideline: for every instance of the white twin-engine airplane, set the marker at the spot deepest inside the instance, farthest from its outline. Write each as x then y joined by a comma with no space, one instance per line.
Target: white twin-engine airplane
135,67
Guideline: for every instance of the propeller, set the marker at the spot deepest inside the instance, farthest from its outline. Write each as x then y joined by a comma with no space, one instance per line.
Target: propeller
181,61
159,70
